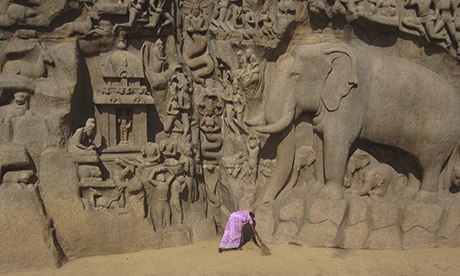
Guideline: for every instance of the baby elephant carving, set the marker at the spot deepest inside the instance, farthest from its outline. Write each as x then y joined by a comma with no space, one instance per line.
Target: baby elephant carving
366,176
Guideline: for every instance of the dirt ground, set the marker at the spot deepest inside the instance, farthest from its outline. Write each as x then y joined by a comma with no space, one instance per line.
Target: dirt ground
203,259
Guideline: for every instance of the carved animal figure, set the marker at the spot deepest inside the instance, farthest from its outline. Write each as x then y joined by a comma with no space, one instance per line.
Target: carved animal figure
196,58
380,180
357,94
84,25
366,176
33,70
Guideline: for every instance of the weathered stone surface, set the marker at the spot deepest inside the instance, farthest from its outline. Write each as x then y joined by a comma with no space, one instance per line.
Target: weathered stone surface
319,235
27,235
145,124
419,237
383,215
355,236
294,211
426,216
358,211
451,227
323,209
122,232
384,238
265,223
286,232
175,237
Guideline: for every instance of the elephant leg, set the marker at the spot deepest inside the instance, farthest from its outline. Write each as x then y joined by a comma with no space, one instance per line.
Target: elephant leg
429,186
284,162
335,162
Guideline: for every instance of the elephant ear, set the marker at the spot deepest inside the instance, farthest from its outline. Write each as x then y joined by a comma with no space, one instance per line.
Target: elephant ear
341,78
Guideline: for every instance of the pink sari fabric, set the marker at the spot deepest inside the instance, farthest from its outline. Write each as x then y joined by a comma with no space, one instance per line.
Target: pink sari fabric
232,234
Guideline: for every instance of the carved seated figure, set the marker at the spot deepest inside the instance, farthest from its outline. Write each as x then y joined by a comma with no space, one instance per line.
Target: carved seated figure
18,107
81,144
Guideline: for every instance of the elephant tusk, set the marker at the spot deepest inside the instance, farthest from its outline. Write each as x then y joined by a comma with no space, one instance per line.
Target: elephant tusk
278,126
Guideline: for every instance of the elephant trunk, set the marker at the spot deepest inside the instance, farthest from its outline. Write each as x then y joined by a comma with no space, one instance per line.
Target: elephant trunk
278,126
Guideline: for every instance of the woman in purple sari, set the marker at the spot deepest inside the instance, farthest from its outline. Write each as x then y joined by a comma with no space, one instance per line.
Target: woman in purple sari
233,235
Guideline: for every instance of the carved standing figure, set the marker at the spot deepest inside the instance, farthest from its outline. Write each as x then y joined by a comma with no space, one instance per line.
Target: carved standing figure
158,198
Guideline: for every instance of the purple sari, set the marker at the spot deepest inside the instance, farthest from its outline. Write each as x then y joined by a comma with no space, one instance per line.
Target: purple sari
232,235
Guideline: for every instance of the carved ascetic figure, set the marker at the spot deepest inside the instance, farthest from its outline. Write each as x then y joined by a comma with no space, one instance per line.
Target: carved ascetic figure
358,94
82,141
157,192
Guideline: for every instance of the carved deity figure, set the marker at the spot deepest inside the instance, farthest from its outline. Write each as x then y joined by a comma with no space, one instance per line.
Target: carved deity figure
155,11
82,141
195,22
125,124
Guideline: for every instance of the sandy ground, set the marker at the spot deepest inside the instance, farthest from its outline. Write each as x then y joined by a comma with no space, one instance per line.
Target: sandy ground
203,259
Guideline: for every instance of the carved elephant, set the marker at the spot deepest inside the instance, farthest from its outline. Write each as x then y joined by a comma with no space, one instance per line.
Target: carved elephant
380,180
355,94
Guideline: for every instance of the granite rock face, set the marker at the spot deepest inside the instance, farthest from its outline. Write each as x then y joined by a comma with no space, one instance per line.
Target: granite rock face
128,125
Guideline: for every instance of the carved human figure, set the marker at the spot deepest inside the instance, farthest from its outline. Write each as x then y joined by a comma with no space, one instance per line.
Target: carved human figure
157,198
156,11
168,148
253,148
172,114
426,20
188,165
18,107
82,141
125,124
136,8
177,187
195,22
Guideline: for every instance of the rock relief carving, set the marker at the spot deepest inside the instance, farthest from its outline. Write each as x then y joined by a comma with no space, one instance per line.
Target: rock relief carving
198,108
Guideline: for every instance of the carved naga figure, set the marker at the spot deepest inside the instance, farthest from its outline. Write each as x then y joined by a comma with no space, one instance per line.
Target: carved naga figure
195,52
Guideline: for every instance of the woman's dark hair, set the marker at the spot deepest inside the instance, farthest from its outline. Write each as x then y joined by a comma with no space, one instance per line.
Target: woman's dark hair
252,215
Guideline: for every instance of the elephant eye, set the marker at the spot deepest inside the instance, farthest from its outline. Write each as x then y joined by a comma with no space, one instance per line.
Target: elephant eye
295,75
